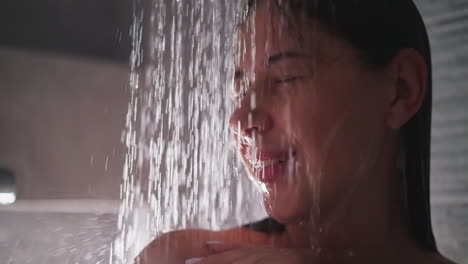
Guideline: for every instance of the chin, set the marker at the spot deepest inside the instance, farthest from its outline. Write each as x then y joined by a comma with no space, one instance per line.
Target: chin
286,207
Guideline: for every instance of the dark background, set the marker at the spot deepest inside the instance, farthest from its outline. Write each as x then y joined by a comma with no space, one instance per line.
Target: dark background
87,28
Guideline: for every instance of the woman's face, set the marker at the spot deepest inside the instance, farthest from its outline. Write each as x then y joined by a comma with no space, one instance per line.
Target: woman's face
308,118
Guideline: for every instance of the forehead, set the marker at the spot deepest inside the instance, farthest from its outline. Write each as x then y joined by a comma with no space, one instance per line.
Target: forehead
266,28
269,30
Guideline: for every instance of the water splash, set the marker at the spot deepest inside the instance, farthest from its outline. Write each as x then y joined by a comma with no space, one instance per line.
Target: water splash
180,171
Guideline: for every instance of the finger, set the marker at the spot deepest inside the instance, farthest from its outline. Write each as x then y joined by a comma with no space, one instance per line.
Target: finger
227,256
193,260
216,248
221,247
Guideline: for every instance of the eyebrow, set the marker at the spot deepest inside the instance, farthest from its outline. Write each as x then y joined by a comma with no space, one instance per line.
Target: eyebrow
273,59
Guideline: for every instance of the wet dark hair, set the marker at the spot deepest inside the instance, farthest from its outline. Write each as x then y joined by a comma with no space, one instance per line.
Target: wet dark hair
378,30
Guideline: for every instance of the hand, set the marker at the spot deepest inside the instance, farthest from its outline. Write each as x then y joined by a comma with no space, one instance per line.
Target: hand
250,254
169,248
176,247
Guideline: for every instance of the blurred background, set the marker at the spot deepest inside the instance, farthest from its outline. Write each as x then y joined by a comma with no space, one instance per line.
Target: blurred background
64,74
63,100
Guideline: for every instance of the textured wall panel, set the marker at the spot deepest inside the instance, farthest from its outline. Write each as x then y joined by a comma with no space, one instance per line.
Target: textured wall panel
447,22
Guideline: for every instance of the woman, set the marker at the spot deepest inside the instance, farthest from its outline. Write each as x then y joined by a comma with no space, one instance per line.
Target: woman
332,120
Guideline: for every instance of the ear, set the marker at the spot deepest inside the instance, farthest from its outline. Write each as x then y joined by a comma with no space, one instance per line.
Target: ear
409,87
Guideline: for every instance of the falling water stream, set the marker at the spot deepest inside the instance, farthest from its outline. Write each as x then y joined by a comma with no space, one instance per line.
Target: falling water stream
180,169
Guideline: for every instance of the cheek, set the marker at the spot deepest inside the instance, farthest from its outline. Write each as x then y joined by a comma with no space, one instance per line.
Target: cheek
332,126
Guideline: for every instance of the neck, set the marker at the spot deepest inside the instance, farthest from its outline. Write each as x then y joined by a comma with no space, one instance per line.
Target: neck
366,233
370,226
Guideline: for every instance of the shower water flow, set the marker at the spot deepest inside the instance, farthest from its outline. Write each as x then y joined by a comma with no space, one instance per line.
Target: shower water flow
179,170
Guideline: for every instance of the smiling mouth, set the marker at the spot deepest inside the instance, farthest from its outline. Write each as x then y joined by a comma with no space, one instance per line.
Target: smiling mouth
269,166
261,164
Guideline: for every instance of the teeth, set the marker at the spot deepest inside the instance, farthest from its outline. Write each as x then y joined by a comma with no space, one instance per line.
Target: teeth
262,164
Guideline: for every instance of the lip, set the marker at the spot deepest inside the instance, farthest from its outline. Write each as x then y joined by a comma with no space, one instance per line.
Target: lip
270,155
274,167
270,174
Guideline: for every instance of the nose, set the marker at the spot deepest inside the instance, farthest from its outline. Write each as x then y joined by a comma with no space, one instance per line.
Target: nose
249,122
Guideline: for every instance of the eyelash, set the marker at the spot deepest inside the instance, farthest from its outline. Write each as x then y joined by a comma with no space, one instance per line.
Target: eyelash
286,80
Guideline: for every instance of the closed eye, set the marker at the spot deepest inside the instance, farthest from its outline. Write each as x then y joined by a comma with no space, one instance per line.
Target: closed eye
289,79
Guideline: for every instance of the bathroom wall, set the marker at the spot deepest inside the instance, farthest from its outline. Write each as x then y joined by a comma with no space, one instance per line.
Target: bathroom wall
447,23
61,120
56,238
61,124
